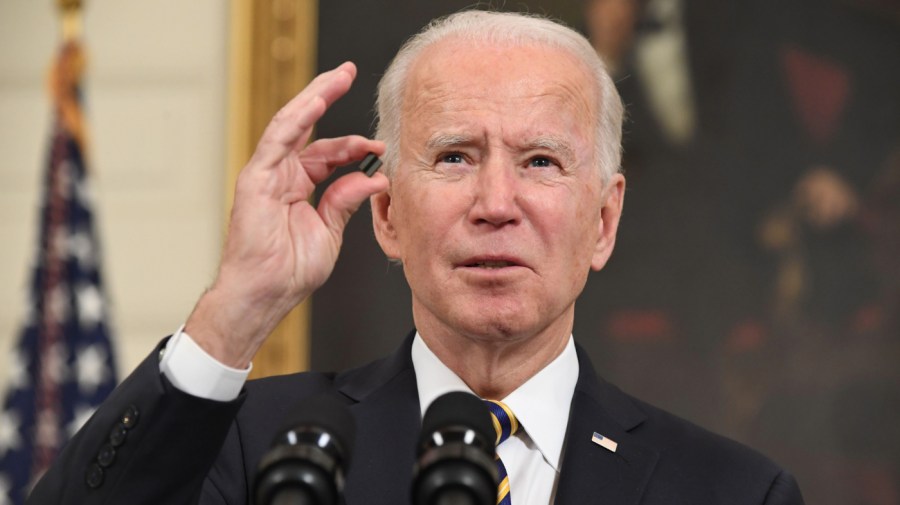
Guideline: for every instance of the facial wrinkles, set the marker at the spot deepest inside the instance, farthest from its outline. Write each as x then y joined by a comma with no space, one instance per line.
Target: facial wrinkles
523,128
489,115
449,85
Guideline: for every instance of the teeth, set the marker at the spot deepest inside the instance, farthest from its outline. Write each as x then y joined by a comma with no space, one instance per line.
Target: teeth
492,264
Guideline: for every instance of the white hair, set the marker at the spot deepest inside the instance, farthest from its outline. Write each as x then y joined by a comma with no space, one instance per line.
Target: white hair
511,29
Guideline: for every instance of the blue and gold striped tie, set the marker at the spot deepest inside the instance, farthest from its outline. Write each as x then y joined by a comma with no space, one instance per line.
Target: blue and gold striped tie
506,425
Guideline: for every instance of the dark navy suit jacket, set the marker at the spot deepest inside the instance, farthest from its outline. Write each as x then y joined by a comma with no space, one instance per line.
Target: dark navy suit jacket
150,443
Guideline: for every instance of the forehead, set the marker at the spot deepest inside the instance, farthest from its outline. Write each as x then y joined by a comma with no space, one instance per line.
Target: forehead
455,80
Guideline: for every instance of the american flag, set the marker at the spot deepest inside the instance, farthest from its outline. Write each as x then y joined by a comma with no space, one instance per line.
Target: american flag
62,366
604,442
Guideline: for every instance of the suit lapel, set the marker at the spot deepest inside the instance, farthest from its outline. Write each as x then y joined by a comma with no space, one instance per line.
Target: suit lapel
384,400
594,474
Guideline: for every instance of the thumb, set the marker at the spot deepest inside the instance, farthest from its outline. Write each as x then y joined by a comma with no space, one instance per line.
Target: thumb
344,196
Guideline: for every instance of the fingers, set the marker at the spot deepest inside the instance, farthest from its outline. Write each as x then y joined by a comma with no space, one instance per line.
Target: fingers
322,156
329,85
344,197
292,125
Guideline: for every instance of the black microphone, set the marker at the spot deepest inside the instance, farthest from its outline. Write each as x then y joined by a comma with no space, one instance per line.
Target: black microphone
456,454
309,457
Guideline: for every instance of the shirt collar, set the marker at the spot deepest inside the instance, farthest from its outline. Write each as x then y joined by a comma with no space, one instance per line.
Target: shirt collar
541,404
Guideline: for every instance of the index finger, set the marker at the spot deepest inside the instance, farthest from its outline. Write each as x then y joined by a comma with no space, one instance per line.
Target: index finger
293,123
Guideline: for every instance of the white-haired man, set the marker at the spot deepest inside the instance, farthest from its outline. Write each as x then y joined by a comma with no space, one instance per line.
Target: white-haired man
500,193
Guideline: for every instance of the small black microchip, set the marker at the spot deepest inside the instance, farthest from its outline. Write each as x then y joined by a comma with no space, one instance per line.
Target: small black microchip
370,164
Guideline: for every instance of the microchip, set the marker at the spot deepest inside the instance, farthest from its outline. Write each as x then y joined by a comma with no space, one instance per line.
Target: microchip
370,164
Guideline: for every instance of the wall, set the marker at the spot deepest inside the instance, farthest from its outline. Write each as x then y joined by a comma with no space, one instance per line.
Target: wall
155,95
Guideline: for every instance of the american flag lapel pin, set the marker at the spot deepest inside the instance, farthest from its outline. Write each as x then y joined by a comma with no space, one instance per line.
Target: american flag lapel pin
604,442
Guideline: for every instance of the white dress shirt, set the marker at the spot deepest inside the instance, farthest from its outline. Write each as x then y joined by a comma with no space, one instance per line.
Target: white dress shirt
541,405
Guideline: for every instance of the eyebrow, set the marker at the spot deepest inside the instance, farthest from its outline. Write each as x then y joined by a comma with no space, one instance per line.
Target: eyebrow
555,144
444,140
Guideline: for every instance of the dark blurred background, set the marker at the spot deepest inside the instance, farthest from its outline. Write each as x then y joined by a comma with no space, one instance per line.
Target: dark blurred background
755,285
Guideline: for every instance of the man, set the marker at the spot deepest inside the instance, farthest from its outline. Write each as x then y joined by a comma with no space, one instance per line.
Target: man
501,140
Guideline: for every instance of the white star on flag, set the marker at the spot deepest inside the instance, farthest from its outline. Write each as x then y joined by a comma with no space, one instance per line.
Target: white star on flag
17,371
9,432
90,368
82,249
84,193
90,305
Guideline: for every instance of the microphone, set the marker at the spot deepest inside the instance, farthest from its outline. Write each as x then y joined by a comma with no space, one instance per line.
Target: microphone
310,456
456,453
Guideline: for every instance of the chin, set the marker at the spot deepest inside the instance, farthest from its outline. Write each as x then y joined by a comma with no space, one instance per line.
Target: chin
499,326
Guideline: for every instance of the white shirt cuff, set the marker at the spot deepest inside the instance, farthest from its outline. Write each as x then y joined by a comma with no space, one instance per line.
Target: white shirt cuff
193,371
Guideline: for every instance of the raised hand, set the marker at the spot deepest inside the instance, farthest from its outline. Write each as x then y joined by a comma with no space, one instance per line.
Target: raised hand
280,248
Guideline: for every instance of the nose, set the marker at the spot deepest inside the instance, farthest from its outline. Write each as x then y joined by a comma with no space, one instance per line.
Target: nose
496,194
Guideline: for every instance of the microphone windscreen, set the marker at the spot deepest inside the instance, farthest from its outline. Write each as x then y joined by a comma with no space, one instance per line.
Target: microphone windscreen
458,409
327,412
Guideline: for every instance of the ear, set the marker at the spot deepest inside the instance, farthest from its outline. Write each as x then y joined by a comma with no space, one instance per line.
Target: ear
382,223
613,196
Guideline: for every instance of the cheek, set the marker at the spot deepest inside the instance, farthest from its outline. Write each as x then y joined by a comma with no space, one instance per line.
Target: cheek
571,226
588,217
565,206
419,216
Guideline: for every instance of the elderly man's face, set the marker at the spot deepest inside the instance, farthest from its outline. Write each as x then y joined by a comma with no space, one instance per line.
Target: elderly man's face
497,208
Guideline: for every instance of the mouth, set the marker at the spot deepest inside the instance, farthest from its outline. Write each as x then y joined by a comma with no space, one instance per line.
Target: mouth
491,263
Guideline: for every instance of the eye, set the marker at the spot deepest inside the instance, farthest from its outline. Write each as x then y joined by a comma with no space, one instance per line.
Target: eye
452,158
540,162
